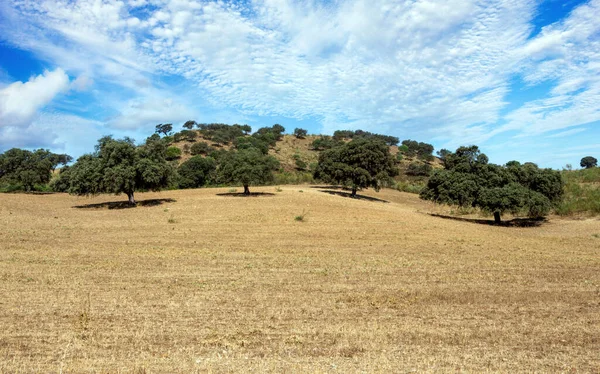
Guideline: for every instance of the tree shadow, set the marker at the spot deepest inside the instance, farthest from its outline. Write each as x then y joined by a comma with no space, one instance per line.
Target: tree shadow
357,197
328,187
515,222
125,204
241,194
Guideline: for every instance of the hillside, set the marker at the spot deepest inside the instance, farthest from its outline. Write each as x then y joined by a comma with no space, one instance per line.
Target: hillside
289,148
190,281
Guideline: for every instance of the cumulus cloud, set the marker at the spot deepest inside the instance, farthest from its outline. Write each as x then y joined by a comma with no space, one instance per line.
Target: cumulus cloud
20,102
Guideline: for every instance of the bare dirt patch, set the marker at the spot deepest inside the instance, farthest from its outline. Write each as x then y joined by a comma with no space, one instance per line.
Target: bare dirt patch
207,284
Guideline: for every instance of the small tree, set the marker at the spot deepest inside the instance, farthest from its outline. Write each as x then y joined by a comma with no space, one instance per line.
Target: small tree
588,162
362,163
165,129
246,129
118,166
300,133
189,125
248,167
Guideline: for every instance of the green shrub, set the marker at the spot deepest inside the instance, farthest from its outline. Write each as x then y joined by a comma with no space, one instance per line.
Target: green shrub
419,169
201,149
173,153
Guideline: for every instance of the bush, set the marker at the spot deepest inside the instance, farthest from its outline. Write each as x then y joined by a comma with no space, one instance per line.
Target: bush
173,153
201,149
418,169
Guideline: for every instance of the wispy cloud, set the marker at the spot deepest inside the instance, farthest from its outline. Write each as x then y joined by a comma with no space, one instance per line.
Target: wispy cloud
436,69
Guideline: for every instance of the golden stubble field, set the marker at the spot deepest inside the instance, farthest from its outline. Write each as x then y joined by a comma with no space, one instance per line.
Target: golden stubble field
209,283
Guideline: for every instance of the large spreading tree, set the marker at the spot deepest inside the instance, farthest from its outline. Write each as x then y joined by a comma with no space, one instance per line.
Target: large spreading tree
249,166
469,180
119,166
361,163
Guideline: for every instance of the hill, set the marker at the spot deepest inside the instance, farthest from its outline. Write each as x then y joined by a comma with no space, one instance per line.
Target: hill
290,149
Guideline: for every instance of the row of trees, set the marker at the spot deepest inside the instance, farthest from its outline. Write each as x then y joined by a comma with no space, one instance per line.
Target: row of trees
121,166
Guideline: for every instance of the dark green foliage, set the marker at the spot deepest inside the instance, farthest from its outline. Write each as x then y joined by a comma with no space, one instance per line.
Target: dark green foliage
266,137
196,172
189,125
325,142
172,153
118,166
62,182
201,149
300,133
165,129
468,180
419,169
362,163
443,153
349,134
588,162
343,134
275,132
258,142
421,150
26,170
221,133
185,135
278,130
246,129
247,167
300,164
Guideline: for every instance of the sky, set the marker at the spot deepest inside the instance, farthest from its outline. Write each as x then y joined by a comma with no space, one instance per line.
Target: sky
518,78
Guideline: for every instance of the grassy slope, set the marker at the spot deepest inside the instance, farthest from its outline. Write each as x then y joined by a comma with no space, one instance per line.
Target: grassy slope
237,285
582,192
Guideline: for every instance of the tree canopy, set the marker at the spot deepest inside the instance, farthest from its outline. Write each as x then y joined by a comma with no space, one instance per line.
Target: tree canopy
118,166
361,163
196,172
468,180
300,133
588,162
248,167
25,169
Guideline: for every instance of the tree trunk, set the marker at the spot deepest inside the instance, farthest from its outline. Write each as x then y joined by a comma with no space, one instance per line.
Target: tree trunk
246,190
130,197
497,218
353,192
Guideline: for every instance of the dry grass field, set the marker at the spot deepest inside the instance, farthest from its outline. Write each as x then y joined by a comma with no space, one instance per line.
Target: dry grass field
207,283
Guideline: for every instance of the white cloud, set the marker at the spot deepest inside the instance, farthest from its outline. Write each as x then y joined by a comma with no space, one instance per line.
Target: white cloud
20,102
150,111
437,68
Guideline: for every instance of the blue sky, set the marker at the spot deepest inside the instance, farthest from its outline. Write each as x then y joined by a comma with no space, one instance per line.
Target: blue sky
519,78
